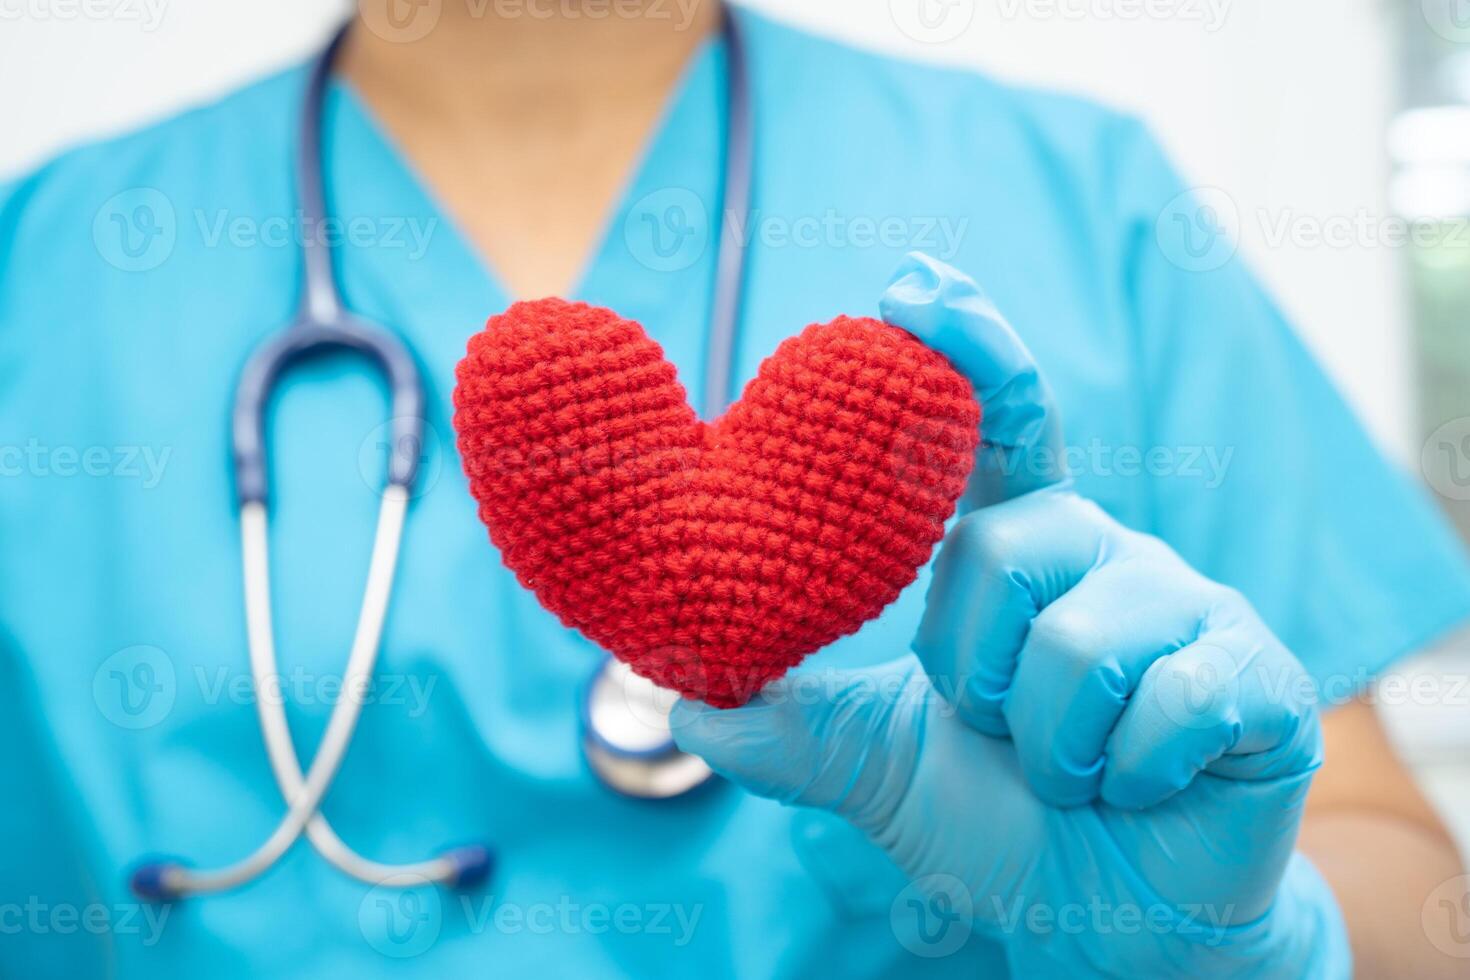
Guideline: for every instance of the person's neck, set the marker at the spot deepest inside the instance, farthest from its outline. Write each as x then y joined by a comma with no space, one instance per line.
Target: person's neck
526,127
532,63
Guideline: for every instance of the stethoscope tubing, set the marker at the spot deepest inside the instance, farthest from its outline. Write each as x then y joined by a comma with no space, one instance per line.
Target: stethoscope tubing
735,195
167,879
322,323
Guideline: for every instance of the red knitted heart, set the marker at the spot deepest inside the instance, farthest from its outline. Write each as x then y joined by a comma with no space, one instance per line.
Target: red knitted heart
710,557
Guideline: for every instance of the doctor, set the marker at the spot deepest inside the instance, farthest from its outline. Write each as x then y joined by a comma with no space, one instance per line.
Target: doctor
1083,744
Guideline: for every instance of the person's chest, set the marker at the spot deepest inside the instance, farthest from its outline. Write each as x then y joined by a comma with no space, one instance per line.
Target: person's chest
122,586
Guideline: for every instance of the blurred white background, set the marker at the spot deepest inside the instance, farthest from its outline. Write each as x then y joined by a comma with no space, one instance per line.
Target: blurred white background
1282,105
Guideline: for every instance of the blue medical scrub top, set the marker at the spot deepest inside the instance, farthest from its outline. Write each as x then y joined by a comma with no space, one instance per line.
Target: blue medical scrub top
137,274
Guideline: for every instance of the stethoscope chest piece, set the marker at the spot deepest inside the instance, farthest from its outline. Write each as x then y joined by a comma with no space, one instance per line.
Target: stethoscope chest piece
626,738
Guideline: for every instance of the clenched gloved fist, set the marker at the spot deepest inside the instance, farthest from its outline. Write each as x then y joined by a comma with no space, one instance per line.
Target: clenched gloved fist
1087,723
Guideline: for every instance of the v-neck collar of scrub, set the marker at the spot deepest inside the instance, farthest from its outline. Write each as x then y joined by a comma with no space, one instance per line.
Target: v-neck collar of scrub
372,181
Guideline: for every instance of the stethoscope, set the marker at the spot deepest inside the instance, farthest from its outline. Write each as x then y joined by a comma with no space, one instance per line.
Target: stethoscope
625,737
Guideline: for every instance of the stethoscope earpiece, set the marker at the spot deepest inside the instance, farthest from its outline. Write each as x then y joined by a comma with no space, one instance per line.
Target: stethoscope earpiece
150,881
161,880
473,865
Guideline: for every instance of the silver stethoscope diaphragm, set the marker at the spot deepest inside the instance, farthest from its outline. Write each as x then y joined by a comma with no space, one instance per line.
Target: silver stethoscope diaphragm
626,737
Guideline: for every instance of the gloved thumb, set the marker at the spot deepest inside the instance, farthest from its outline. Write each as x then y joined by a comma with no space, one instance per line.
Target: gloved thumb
1021,437
840,740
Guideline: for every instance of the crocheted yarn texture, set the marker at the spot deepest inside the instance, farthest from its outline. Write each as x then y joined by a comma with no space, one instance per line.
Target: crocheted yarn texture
710,557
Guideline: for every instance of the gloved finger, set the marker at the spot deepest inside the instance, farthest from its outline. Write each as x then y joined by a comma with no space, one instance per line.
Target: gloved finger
1234,703
996,571
1021,439
1084,656
840,740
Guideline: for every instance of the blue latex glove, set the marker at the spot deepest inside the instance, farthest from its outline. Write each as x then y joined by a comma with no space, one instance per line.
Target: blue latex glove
1098,753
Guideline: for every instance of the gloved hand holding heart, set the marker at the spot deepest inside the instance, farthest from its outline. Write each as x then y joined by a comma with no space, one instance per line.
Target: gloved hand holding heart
711,557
